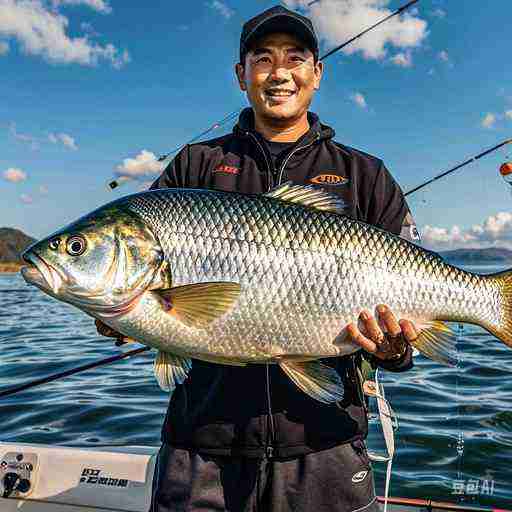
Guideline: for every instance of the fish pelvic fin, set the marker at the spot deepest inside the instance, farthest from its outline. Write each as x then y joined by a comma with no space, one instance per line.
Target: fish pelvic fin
170,370
308,195
436,341
318,380
197,305
503,331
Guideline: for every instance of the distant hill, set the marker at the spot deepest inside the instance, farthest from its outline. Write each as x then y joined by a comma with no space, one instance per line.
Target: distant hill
12,243
487,255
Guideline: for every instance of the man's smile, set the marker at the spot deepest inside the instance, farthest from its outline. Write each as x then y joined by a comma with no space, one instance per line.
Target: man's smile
279,95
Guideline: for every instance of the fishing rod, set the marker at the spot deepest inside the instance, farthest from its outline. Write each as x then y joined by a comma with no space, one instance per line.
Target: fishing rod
114,184
457,167
232,115
73,371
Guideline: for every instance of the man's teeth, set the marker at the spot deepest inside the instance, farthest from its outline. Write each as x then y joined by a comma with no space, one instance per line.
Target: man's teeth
280,93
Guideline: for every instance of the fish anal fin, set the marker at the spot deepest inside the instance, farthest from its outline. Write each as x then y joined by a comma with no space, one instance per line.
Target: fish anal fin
170,370
319,381
308,195
436,341
197,305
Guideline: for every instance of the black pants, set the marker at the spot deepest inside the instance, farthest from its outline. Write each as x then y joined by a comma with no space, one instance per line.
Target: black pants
338,479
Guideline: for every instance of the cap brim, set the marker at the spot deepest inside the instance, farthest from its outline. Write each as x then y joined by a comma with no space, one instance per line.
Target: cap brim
283,23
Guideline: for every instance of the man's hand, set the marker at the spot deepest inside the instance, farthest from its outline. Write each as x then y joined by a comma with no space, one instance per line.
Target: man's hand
105,330
385,337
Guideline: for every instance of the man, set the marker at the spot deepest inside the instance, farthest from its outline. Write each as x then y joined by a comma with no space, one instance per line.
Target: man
244,439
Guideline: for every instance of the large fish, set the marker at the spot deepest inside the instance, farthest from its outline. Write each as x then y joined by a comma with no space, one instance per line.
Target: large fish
237,279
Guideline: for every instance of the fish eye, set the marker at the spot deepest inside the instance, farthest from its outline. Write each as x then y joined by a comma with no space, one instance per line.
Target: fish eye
54,243
76,246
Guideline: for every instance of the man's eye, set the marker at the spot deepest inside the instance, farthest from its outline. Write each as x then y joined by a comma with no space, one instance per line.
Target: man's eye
263,59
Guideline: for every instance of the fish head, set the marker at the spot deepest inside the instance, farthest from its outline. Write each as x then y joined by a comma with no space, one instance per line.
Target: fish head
102,263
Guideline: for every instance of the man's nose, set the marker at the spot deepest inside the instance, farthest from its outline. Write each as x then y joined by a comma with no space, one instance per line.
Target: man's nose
279,73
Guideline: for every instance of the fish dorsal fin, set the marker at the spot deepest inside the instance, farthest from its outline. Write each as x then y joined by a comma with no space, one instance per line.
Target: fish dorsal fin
308,195
436,341
197,305
318,380
171,370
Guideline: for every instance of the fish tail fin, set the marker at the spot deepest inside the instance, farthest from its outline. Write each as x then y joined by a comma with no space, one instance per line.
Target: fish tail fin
503,329
436,341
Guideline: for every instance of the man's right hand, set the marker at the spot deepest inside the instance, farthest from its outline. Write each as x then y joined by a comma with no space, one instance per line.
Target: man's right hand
107,331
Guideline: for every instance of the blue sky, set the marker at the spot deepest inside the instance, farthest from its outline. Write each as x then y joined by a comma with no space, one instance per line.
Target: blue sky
93,86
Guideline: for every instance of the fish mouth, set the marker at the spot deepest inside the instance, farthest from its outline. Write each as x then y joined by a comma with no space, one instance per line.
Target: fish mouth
41,274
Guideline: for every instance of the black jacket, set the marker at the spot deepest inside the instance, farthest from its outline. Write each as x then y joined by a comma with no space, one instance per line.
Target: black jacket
256,410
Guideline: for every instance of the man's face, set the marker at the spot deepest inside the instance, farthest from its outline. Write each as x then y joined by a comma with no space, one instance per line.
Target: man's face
280,77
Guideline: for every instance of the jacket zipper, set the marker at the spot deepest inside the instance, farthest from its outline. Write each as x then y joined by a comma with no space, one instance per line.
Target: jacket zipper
280,177
270,168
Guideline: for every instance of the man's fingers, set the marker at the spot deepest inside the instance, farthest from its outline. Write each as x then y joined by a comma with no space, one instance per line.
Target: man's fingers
388,320
370,327
358,337
105,330
408,330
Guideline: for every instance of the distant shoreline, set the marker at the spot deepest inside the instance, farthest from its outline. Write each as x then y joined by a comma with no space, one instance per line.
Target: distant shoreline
10,267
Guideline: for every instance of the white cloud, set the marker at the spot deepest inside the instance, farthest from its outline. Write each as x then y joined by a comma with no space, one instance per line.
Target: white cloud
403,60
97,5
4,48
23,137
14,175
443,55
42,32
26,198
63,138
439,13
489,120
495,231
338,20
508,114
359,100
222,8
143,165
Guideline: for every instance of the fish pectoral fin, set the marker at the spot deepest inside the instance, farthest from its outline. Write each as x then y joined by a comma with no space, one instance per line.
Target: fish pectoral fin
308,195
319,381
197,305
436,341
171,370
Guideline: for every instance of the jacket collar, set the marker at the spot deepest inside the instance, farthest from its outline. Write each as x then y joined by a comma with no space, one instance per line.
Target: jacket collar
317,130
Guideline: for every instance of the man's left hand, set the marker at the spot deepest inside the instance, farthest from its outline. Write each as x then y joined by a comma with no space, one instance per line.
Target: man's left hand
384,336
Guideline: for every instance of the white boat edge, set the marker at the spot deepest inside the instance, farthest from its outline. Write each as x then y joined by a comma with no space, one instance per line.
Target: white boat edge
114,479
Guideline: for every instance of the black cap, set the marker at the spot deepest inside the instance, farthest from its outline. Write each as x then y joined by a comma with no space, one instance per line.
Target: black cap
278,19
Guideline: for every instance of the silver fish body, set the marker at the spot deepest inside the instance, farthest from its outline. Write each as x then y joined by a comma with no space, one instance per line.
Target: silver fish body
303,272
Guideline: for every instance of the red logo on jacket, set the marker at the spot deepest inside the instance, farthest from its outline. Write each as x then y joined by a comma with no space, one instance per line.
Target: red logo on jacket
227,169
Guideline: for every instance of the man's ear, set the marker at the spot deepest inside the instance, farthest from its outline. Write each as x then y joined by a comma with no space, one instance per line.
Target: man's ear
319,69
240,74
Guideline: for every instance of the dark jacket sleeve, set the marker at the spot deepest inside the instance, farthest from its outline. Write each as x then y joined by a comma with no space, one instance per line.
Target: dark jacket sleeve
389,211
175,174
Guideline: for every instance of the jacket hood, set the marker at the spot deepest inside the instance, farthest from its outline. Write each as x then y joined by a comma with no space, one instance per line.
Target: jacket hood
246,124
